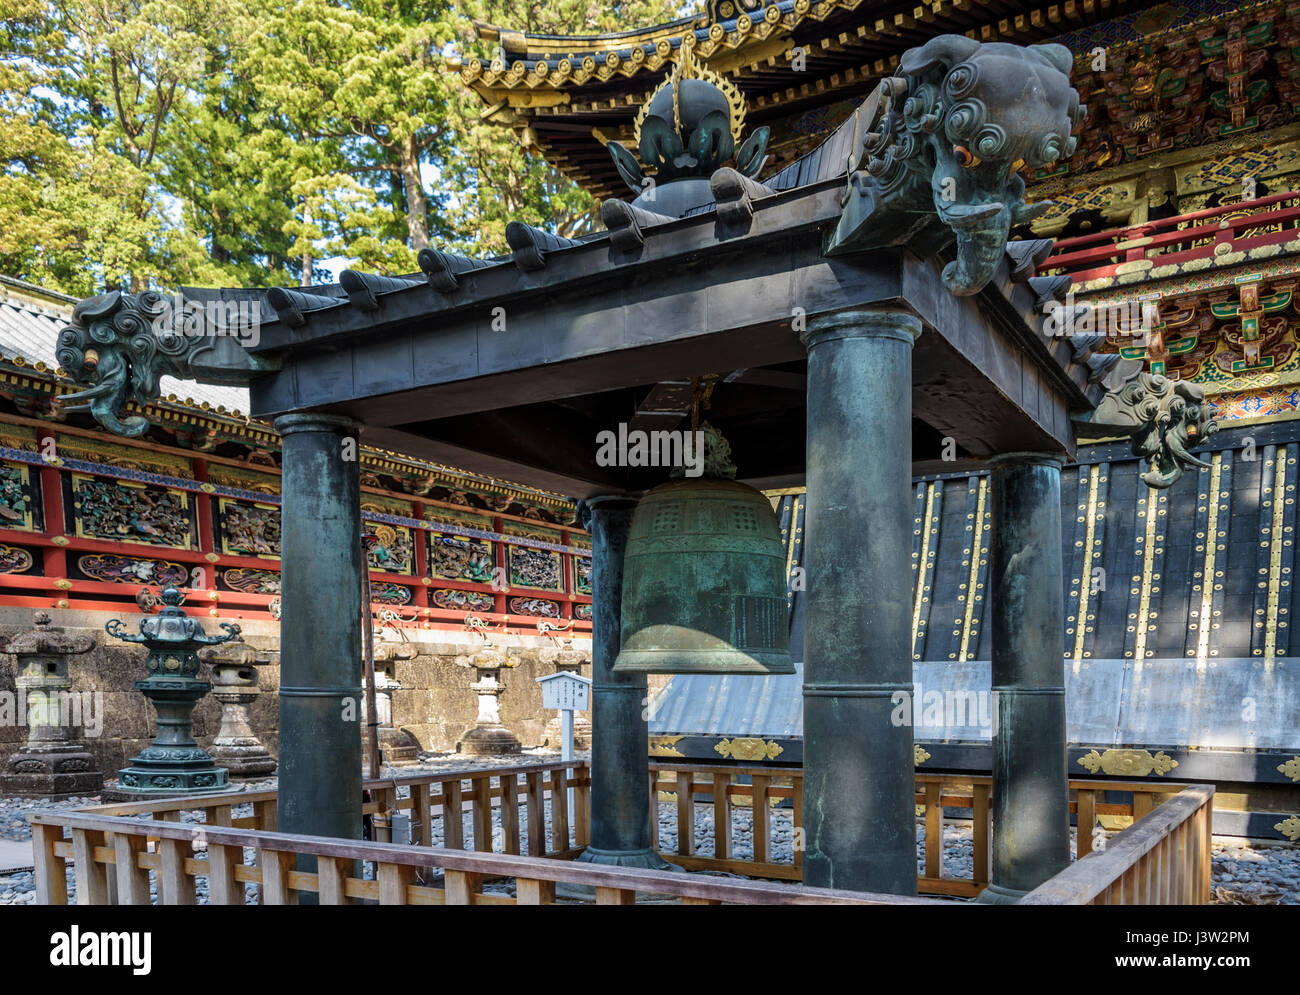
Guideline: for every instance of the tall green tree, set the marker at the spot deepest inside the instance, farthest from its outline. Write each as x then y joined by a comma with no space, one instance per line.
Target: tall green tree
496,178
105,79
364,78
243,142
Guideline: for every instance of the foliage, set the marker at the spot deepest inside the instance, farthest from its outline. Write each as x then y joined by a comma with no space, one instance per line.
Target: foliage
155,143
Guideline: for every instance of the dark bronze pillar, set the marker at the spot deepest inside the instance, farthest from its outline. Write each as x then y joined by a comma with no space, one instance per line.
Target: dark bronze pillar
320,630
859,780
1031,813
620,760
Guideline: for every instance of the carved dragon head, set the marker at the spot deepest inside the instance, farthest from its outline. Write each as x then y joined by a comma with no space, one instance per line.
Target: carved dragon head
961,118
1160,416
121,344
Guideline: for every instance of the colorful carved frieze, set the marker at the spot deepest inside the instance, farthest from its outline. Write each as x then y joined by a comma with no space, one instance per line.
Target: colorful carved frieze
391,594
457,557
15,497
124,511
130,570
530,567
1227,177
1254,338
249,529
1151,100
251,581
1183,85
533,567
15,560
1234,58
392,549
582,574
18,437
538,607
380,504
460,557
1266,402
454,599
582,612
1240,339
122,457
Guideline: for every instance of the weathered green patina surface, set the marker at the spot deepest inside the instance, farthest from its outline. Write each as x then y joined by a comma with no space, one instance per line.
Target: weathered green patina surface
173,764
940,146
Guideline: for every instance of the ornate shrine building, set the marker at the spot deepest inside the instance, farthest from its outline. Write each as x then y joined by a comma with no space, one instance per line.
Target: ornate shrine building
1174,212
1088,396
88,519
871,328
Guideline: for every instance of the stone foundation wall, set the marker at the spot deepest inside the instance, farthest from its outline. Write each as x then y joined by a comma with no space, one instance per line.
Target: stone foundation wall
434,704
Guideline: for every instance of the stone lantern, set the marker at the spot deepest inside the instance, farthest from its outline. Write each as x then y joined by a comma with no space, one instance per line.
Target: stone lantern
50,764
488,736
398,746
563,655
174,764
234,684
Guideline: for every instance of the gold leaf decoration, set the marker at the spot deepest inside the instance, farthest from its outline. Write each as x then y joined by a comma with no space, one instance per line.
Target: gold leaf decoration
919,756
1128,763
1291,768
1289,827
665,746
748,748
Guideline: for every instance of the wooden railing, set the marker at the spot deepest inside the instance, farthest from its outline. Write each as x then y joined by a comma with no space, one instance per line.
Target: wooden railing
511,791
935,792
1237,227
114,856
1162,859
534,792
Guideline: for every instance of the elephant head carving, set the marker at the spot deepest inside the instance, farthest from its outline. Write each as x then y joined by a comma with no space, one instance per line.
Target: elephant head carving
939,154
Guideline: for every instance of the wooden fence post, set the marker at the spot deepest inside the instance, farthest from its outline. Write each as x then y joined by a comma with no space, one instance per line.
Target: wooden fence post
51,870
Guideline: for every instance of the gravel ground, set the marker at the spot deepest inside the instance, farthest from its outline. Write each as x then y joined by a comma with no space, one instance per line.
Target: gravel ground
1243,873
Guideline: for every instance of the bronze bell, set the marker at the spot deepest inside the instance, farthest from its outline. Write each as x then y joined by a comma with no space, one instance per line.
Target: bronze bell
704,583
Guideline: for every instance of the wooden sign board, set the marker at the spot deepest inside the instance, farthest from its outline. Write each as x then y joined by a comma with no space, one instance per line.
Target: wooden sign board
565,691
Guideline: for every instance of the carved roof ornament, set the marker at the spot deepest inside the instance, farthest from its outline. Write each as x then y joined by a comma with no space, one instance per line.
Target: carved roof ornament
936,149
688,128
1160,415
123,344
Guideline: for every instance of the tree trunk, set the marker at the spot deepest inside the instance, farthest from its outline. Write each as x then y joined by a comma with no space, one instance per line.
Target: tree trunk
417,205
306,256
